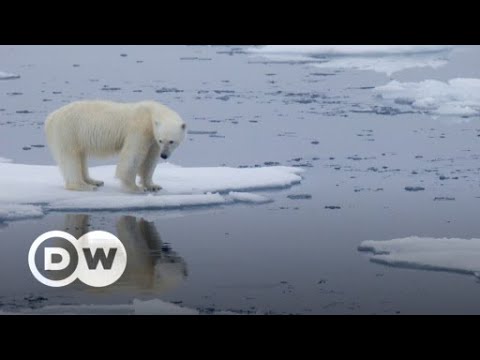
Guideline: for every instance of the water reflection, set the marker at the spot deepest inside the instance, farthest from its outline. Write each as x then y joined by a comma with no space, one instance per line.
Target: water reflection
152,265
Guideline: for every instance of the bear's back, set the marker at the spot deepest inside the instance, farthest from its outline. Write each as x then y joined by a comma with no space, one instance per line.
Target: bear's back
93,111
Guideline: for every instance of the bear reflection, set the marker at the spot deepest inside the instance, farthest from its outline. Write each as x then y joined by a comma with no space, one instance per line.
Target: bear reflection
151,264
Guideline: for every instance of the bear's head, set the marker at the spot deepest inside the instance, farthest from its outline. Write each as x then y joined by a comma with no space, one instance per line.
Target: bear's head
168,129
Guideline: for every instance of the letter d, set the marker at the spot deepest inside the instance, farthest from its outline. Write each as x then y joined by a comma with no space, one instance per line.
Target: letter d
57,266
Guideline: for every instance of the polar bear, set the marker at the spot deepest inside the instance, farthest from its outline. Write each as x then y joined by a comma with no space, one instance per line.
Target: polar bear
139,132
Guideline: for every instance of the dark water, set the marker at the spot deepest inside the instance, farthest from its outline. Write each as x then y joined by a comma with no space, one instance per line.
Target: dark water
295,255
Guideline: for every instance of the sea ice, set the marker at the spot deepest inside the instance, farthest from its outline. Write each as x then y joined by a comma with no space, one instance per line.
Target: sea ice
459,97
349,49
442,254
386,59
31,190
7,76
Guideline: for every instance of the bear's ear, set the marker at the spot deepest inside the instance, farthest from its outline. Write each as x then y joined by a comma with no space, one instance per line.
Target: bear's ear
184,126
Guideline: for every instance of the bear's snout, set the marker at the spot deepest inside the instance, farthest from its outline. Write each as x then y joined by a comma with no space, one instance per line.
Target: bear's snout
164,156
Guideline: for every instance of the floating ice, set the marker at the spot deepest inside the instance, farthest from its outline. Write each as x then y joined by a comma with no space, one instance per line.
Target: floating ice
247,197
7,76
380,58
459,97
442,254
127,202
387,65
5,160
349,49
10,212
31,190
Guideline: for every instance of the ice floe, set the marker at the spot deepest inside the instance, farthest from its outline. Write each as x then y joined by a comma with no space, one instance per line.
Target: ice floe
7,76
458,97
349,49
19,212
441,254
387,59
31,190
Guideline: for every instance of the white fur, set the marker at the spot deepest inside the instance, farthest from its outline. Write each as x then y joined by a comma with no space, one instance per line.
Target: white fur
139,132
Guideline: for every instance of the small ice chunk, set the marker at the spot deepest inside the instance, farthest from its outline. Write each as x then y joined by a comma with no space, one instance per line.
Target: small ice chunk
7,76
248,197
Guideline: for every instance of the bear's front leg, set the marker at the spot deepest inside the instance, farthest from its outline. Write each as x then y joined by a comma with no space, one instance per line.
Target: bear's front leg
132,156
148,168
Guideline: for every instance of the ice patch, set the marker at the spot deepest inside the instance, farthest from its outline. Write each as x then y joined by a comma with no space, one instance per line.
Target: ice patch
457,97
387,59
387,65
7,76
32,190
248,197
9,212
349,49
442,254
5,160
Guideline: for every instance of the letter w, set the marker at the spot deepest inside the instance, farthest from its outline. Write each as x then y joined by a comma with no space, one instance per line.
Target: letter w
99,256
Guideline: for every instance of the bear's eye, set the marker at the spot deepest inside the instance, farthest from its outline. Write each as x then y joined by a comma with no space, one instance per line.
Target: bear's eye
160,141
171,142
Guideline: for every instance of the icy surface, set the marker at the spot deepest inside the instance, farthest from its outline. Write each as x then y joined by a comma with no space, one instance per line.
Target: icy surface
247,197
19,212
459,96
387,59
4,160
31,188
387,65
350,49
455,255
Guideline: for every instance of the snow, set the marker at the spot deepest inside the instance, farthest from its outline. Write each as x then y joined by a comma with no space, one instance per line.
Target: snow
30,190
442,254
459,97
349,49
7,76
387,59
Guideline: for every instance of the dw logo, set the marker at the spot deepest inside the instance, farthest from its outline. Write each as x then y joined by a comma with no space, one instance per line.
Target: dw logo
100,259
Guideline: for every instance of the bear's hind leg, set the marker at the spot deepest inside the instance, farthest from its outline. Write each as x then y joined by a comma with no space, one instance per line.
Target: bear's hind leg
85,175
71,166
148,167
